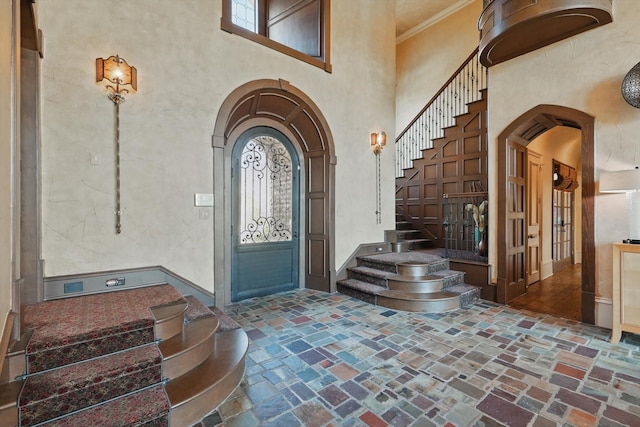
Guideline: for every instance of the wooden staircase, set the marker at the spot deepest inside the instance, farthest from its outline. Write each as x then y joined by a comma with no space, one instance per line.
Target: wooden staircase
408,281
201,366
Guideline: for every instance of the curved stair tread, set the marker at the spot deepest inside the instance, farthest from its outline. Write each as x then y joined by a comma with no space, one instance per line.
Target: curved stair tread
193,333
413,263
373,272
413,279
362,286
408,296
197,392
169,319
190,348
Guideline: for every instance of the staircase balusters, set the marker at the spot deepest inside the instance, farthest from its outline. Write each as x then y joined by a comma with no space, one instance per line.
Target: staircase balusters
451,100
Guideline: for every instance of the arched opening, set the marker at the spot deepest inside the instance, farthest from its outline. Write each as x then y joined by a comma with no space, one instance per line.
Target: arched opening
278,105
511,200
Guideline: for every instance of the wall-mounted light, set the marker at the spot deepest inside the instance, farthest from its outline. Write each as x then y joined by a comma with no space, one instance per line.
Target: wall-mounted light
626,181
119,78
378,141
116,71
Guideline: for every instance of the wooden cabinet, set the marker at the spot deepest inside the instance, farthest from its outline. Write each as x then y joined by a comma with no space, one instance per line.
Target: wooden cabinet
626,290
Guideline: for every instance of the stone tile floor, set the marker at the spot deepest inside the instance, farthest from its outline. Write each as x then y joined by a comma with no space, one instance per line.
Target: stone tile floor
318,359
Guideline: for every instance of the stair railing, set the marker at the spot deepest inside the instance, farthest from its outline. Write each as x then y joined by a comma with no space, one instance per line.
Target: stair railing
465,223
464,86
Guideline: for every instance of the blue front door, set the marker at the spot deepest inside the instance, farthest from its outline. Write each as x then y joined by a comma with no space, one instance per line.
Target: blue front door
265,187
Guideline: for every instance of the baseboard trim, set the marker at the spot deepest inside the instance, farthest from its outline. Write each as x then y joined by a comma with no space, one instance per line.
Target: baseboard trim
604,312
95,282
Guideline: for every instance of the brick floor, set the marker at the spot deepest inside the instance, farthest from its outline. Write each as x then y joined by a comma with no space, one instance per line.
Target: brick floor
318,359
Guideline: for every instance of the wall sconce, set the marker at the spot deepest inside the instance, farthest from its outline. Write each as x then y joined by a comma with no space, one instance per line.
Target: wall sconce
378,141
116,70
631,86
119,78
627,181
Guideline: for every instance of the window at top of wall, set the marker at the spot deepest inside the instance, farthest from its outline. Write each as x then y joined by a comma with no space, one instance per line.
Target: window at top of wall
298,28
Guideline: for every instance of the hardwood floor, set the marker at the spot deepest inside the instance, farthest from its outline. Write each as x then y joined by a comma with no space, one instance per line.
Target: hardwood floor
558,294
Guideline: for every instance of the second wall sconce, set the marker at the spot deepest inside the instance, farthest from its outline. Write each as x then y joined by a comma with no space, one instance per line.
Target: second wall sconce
378,141
119,78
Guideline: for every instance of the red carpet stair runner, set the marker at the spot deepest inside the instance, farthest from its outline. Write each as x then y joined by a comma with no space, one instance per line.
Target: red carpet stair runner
140,357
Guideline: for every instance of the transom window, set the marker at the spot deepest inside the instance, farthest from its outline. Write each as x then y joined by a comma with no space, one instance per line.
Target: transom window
298,28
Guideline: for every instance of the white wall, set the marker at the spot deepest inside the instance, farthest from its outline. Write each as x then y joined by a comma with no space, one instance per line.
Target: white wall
584,72
7,152
186,68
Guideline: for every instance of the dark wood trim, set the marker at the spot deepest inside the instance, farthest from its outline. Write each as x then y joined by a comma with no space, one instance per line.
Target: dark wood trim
320,62
512,28
528,126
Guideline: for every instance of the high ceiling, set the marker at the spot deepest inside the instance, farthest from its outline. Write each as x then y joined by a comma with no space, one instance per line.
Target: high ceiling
412,15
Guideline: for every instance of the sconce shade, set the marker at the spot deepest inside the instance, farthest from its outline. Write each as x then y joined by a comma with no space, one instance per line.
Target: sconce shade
627,181
115,70
631,86
378,141
620,181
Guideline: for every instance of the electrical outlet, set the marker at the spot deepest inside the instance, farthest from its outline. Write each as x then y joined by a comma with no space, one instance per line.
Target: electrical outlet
204,213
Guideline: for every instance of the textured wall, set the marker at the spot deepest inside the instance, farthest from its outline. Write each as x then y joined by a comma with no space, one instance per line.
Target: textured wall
186,68
428,59
585,73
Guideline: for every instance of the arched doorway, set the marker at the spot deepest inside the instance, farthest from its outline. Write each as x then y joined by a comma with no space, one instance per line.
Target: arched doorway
278,105
511,236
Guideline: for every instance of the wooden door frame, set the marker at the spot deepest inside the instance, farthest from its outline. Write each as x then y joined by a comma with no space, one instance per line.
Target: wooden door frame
524,129
279,105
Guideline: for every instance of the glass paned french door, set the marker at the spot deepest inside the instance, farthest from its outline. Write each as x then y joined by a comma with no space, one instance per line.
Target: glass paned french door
562,229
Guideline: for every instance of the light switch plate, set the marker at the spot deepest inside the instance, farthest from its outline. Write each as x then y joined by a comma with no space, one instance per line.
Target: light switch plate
201,199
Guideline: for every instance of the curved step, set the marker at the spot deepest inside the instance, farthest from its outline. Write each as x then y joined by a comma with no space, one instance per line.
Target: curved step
411,268
168,319
434,302
415,284
188,349
197,392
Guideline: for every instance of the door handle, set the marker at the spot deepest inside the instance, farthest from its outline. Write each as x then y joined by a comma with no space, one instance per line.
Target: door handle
532,236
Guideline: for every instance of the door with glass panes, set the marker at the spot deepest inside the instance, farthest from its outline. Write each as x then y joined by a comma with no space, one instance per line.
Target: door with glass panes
265,214
562,229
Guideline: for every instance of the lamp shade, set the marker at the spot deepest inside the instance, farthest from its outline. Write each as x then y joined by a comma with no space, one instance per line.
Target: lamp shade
631,86
117,71
620,181
627,181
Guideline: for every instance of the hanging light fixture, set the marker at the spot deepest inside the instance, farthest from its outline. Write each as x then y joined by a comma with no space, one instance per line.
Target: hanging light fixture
119,78
631,86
